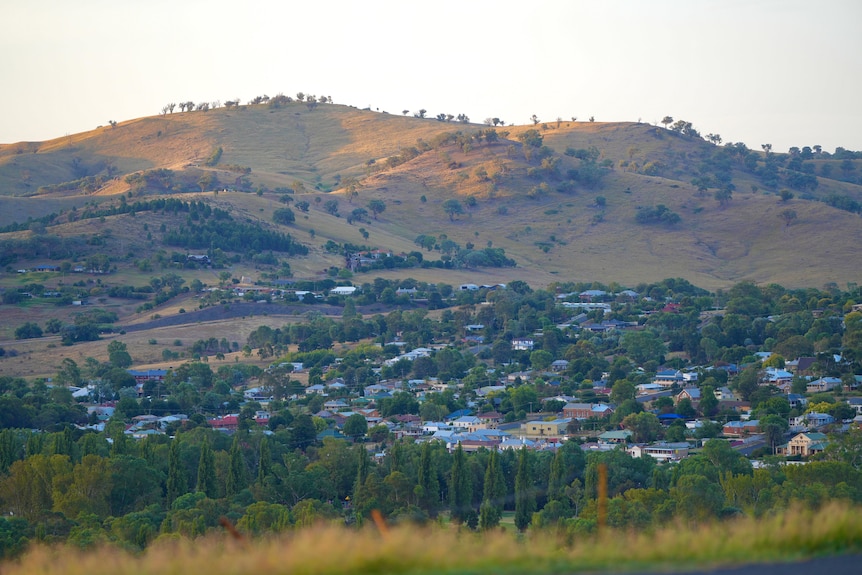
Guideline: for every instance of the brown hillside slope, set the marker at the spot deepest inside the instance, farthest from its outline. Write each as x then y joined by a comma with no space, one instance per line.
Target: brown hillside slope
555,231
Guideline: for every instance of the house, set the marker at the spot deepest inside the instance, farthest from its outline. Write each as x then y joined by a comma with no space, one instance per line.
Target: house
469,423
801,366
804,444
823,384
796,400
198,259
741,428
855,403
614,437
668,377
458,413
690,393
522,375
661,452
228,422
560,365
146,375
816,420
490,419
587,410
554,428
343,290
523,344
592,294
516,443
335,405
468,287
777,377
435,426
258,394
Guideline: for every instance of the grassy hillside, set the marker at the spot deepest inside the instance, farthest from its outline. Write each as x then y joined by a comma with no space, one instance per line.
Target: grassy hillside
534,202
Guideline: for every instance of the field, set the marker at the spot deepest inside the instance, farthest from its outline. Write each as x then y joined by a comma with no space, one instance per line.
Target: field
790,536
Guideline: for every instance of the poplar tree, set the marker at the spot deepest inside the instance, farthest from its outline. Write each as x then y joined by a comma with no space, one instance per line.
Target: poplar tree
177,484
11,449
237,478
265,466
493,495
428,486
460,487
525,496
206,471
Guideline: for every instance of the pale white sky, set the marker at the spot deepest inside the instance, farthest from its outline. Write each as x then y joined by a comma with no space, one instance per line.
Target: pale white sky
785,72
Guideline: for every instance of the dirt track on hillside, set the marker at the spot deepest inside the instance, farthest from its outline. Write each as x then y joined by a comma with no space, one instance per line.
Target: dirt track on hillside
241,310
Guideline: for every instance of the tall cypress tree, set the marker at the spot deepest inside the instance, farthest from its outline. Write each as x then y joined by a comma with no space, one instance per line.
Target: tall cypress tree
11,449
494,494
265,466
525,496
556,479
206,471
237,477
177,484
428,484
460,487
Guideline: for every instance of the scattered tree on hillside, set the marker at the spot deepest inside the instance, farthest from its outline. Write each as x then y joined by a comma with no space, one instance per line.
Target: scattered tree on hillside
331,207
667,120
377,207
724,195
788,216
284,216
453,208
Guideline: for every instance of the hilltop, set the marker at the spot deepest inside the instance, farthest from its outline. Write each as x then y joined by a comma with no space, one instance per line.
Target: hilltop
566,200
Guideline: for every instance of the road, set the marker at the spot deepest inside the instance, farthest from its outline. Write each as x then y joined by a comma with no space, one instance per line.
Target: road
834,565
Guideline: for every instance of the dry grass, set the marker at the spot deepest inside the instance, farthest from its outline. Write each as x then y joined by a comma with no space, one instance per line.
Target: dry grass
789,536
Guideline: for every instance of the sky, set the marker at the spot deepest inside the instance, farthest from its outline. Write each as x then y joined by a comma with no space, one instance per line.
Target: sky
782,72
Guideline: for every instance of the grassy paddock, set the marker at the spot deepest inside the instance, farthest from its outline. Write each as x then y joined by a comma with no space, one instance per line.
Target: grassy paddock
788,536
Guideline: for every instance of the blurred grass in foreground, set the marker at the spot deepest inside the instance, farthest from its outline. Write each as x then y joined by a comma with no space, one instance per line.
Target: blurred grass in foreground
788,536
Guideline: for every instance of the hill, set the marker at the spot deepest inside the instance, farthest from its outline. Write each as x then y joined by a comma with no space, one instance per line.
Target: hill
611,202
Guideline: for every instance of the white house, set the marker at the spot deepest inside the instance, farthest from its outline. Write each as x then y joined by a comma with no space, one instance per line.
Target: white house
343,290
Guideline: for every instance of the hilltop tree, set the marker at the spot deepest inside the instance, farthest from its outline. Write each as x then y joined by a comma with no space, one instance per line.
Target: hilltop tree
667,120
453,208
